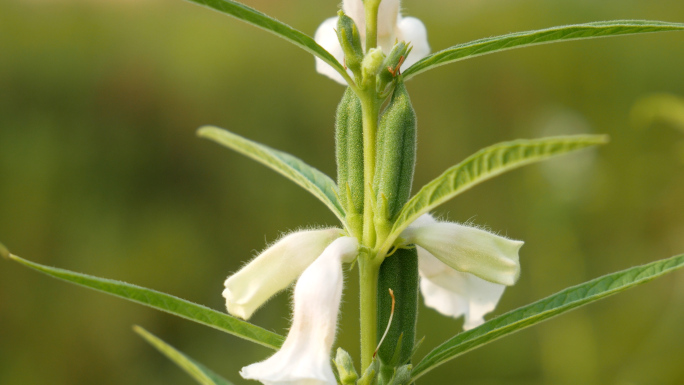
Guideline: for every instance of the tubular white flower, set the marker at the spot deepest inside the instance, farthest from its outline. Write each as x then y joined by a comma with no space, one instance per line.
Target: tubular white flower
304,358
447,255
391,27
454,293
274,269
468,249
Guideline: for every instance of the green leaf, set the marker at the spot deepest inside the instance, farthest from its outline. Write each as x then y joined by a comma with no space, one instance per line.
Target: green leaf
485,164
164,302
278,28
196,370
317,183
544,309
543,36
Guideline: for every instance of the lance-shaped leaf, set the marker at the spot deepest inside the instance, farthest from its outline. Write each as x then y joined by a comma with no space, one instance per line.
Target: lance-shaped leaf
317,183
164,302
485,164
196,370
278,28
543,36
544,309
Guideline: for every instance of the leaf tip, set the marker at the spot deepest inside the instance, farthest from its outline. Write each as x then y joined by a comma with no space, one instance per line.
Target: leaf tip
602,139
205,131
4,252
139,330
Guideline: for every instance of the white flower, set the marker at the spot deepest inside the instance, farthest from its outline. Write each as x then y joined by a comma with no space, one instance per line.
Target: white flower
463,269
274,270
304,358
392,27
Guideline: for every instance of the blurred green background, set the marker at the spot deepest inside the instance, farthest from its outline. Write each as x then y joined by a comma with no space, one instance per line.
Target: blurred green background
101,172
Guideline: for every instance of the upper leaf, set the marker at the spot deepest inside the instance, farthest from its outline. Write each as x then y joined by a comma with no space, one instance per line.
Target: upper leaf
196,370
317,183
544,309
485,164
543,36
164,302
278,28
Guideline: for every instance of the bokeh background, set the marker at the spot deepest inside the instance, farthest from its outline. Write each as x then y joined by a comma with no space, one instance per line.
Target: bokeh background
101,172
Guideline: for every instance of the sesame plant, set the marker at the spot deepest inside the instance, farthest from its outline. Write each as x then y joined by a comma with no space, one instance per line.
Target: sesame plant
393,238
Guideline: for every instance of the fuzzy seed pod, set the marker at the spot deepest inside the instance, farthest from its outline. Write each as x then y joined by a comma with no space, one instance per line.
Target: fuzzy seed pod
395,157
398,272
349,152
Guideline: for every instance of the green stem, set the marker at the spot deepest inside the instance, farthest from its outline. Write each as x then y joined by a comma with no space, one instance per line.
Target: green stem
371,7
368,274
369,264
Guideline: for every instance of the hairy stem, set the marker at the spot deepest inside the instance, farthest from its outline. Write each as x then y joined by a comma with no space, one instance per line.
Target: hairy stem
371,7
368,272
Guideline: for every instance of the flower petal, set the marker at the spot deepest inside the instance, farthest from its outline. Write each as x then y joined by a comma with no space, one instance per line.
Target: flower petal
469,249
304,357
412,30
454,293
388,17
356,10
326,37
274,270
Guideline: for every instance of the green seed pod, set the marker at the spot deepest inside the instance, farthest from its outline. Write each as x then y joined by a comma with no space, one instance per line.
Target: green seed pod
350,40
349,153
395,158
398,272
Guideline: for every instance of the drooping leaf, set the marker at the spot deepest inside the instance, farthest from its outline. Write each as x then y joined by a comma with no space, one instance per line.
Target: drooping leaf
314,181
196,370
543,36
544,309
278,28
164,302
483,165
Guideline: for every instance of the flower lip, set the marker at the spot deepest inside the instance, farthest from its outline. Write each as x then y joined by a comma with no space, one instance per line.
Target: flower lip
456,294
274,270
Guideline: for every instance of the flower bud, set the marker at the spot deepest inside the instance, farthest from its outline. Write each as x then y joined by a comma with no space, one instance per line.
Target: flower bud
370,375
348,35
391,68
402,375
372,63
345,367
